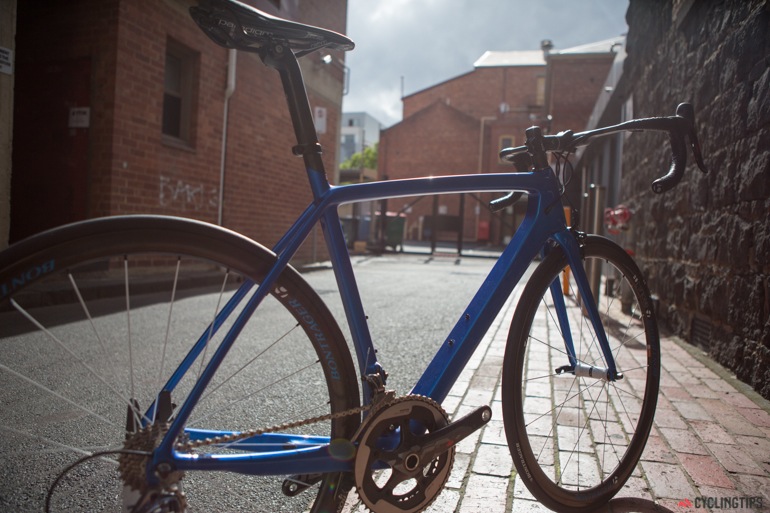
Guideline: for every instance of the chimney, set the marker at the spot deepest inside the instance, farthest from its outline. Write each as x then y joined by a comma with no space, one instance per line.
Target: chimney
546,45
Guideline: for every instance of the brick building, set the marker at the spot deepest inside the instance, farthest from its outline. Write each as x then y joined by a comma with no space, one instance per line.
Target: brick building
120,108
459,126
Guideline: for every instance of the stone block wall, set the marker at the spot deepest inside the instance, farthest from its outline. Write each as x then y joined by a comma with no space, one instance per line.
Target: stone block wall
705,246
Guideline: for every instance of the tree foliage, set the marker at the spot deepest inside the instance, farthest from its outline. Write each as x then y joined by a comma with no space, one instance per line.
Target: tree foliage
363,159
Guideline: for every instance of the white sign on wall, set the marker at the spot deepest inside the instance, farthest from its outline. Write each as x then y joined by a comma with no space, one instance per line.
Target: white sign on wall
319,116
6,61
80,117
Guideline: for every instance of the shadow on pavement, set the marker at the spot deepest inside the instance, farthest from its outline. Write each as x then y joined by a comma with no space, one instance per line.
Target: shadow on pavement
633,505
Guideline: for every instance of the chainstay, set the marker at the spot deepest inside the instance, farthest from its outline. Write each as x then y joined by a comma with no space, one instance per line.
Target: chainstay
235,437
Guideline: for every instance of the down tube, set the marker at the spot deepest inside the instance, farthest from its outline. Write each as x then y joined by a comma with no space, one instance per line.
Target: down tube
539,225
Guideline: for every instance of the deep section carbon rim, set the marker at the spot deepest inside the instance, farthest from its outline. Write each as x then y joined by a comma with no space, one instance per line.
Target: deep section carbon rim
575,436
99,315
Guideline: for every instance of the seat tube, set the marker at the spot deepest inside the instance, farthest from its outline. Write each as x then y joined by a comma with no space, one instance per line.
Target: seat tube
351,298
308,147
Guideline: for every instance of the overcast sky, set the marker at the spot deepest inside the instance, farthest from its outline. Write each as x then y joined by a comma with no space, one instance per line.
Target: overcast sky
429,41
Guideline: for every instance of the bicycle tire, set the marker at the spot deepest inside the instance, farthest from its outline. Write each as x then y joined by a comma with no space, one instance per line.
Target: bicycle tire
576,440
46,437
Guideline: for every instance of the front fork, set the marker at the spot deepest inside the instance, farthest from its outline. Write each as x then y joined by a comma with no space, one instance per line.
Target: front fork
569,240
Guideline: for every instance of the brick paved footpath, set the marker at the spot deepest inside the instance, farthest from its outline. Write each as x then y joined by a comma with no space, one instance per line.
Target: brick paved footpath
711,438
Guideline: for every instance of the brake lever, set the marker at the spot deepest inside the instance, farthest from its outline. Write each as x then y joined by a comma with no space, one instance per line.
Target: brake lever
686,111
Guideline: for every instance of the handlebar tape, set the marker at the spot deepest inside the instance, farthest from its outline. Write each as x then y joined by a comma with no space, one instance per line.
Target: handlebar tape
678,163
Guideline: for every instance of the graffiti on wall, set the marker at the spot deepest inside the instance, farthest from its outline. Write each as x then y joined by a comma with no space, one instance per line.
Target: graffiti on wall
181,195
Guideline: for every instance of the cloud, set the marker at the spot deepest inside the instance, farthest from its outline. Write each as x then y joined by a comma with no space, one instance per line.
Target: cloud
430,41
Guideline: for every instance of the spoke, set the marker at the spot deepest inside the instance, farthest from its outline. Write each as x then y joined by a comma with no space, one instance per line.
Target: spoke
547,413
625,411
211,324
632,369
168,325
87,312
214,389
58,395
606,438
61,446
580,434
642,333
560,406
549,345
247,396
627,393
61,344
546,376
553,319
128,320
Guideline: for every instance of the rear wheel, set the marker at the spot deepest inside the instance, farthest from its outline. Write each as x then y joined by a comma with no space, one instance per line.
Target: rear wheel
96,318
575,437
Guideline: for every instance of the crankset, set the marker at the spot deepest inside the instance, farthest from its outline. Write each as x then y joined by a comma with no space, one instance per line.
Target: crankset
405,453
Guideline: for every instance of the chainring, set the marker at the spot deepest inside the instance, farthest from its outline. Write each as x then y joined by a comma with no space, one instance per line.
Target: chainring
389,476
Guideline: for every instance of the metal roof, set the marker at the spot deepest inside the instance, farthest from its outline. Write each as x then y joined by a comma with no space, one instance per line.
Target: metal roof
536,57
510,58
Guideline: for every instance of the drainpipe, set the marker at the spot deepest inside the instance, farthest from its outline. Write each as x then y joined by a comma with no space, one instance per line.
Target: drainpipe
482,124
231,54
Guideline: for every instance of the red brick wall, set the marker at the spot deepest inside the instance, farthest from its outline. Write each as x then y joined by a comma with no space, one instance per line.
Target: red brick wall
476,98
265,185
575,82
480,92
133,168
439,140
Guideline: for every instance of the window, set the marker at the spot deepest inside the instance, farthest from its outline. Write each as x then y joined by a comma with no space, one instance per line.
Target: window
178,92
540,92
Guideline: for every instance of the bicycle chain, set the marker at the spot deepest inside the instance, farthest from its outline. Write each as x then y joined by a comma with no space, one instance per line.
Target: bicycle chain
227,439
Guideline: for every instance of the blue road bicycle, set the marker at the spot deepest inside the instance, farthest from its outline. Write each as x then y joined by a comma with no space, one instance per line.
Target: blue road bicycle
157,364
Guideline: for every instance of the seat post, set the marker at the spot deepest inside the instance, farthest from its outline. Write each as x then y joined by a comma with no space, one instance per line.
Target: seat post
282,59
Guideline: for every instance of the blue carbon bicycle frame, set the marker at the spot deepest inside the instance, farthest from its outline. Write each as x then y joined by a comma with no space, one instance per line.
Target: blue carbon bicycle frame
543,222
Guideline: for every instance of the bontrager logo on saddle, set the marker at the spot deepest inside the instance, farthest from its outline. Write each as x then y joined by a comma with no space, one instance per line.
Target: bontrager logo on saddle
194,355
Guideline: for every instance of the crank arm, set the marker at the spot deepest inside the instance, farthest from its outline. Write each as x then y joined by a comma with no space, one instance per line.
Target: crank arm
434,444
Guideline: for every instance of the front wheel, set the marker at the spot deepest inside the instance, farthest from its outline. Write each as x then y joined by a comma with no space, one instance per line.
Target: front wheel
576,436
97,318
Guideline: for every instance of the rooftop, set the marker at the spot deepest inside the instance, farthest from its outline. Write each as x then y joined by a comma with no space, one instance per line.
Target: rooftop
510,58
536,57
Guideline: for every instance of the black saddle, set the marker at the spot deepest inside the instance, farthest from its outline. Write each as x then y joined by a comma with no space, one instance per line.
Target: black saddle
233,24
